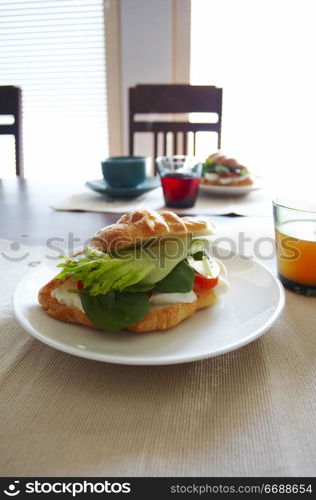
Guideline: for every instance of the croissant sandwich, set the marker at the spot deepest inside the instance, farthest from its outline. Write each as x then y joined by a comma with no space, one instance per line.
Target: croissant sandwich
218,170
149,271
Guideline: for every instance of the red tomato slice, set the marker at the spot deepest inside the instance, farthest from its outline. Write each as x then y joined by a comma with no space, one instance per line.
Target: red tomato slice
204,283
229,174
80,285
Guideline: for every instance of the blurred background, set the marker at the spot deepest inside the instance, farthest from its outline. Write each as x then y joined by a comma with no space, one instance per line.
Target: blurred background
76,59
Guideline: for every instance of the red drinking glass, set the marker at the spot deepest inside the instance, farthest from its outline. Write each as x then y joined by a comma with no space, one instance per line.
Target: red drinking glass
180,178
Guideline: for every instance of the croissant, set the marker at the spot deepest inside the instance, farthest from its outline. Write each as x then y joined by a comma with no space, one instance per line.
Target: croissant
131,229
140,226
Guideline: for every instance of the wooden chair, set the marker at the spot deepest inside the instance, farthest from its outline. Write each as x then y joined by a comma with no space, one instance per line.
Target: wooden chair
156,99
11,104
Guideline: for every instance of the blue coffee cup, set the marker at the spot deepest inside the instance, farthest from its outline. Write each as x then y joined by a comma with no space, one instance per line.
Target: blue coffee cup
124,171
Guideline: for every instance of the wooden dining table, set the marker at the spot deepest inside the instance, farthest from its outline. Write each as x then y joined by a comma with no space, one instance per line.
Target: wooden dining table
25,210
26,214
251,412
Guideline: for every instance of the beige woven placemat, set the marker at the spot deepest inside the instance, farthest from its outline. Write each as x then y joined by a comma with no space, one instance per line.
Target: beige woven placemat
256,203
248,413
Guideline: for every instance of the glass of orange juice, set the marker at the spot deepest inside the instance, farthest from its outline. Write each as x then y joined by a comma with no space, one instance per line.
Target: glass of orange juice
295,233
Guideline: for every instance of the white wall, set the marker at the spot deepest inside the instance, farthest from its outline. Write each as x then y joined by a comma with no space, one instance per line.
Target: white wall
146,48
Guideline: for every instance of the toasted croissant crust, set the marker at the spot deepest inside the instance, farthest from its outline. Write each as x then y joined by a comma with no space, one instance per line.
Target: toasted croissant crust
155,319
162,319
141,225
59,311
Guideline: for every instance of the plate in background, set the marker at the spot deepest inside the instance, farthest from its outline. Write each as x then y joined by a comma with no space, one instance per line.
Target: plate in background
232,190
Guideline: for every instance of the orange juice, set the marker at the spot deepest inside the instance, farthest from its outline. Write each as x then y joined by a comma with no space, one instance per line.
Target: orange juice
296,242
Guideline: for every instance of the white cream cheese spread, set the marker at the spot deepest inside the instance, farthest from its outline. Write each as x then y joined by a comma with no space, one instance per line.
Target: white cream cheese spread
65,298
172,298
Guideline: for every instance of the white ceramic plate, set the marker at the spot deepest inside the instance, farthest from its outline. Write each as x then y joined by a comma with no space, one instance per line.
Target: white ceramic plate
248,310
232,190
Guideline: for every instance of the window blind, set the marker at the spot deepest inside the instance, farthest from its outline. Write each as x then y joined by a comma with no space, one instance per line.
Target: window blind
55,51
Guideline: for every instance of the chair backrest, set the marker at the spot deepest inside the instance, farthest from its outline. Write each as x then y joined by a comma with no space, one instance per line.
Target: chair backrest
11,104
155,99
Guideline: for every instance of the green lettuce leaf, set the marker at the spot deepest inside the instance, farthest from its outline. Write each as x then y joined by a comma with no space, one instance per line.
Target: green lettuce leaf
215,168
115,311
139,287
179,280
144,267
100,273
165,256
